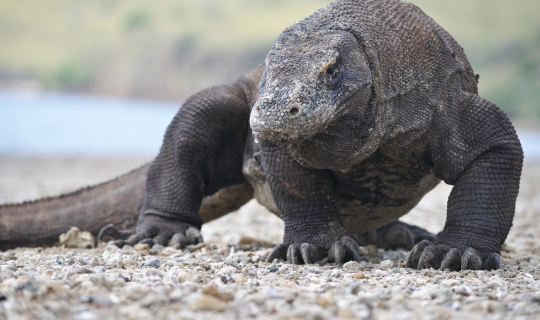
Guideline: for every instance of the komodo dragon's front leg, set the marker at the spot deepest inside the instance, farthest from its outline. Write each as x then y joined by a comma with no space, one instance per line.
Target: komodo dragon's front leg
474,147
201,155
313,230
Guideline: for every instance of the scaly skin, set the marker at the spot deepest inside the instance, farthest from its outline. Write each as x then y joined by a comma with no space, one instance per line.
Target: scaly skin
358,111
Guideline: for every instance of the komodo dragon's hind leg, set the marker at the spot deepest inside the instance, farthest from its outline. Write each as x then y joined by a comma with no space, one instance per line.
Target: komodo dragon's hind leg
394,235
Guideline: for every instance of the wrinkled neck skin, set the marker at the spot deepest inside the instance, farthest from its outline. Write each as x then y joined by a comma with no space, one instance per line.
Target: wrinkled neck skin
341,144
316,99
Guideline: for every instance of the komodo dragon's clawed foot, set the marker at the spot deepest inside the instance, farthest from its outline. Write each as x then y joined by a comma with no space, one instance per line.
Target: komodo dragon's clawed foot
440,256
154,230
395,235
341,251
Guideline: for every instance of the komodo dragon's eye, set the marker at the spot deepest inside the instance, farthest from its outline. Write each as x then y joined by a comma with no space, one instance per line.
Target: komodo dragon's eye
331,70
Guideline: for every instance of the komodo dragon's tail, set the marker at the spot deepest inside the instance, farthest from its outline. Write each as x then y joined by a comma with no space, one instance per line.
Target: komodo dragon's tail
40,222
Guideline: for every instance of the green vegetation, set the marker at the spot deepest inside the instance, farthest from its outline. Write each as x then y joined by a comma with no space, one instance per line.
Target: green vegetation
169,49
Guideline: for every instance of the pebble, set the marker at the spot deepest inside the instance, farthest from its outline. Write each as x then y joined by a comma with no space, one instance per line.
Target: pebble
75,238
359,275
153,262
212,290
143,247
183,276
352,266
387,264
203,302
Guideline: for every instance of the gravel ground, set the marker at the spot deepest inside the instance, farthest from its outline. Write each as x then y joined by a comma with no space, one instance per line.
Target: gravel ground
227,277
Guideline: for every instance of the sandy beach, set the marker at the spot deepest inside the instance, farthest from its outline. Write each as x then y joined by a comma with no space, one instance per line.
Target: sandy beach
228,278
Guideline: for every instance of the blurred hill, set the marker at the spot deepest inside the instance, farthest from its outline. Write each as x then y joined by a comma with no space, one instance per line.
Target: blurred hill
170,49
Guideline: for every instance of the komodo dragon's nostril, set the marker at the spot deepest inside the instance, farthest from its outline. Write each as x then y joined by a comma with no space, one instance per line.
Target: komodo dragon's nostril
294,110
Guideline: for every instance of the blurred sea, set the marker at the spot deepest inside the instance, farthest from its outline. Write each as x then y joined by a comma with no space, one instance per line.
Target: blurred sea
68,125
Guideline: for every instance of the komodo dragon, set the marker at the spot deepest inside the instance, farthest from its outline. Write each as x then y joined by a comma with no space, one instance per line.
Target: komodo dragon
358,111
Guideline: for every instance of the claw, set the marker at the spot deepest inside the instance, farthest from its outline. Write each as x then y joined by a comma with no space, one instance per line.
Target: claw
352,248
110,232
162,239
471,260
346,249
452,260
311,254
337,253
493,262
194,236
148,241
279,252
294,256
178,241
414,256
134,239
432,257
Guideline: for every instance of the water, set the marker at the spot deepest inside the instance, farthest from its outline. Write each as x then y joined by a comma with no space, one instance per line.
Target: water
76,125
48,124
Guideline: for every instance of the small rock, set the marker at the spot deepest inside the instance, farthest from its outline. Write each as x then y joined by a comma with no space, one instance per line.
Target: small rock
227,271
12,266
58,307
116,262
442,295
450,283
154,263
325,300
205,302
195,247
346,313
336,273
28,286
315,271
387,264
152,299
421,294
240,280
156,249
359,275
463,290
212,290
75,238
177,294
493,306
272,293
289,284
352,266
456,305
142,247
98,300
80,270
353,288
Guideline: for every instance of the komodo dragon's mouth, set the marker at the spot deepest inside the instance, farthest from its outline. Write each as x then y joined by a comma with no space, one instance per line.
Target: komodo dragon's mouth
278,137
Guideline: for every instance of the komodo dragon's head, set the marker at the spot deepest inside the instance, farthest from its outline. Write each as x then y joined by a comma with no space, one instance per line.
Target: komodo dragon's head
311,79
354,76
